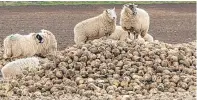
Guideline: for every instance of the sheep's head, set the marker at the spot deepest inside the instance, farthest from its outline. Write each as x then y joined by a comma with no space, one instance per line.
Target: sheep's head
38,37
111,13
132,8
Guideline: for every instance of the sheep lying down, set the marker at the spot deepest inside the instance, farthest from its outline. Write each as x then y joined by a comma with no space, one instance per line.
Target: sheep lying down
18,46
16,67
122,35
147,37
119,34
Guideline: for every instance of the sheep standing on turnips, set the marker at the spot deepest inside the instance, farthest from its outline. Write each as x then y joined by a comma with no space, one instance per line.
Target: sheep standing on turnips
134,20
96,27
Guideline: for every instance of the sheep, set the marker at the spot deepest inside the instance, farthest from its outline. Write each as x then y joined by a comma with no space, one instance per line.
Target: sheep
119,34
134,20
147,37
11,69
122,35
18,46
96,27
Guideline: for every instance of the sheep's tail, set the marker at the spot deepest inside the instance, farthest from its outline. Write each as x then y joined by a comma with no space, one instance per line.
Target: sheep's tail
7,47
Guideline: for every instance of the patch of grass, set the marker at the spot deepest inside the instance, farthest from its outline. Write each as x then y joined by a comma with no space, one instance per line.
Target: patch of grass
24,3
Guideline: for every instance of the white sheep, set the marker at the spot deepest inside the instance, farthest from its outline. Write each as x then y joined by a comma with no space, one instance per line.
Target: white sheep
122,35
119,34
96,27
16,45
147,37
11,69
134,20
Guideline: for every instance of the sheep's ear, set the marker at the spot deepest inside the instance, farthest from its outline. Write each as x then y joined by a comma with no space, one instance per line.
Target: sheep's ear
34,34
47,32
114,8
107,10
43,30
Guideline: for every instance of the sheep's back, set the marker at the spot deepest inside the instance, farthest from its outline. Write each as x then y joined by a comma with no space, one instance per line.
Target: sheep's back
143,18
125,20
15,67
31,46
88,26
23,63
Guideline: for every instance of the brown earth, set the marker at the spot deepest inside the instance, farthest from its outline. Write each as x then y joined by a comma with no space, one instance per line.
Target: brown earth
171,23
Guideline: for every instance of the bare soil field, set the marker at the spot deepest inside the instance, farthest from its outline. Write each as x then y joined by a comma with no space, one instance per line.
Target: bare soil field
171,23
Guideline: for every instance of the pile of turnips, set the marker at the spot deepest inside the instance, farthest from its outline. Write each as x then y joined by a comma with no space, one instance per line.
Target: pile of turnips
106,68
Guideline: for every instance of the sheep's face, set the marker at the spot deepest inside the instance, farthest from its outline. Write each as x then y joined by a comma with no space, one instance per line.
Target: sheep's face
111,13
38,37
132,8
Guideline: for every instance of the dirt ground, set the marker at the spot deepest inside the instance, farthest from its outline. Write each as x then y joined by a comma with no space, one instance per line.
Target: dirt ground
171,23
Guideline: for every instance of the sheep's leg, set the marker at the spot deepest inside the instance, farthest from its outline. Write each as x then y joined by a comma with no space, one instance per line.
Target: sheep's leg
136,34
143,33
14,57
80,39
11,58
6,57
